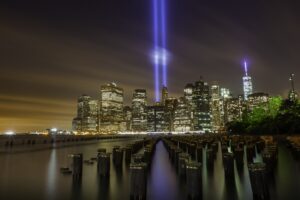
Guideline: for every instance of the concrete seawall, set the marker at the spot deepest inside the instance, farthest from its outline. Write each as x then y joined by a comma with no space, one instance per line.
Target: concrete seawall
25,142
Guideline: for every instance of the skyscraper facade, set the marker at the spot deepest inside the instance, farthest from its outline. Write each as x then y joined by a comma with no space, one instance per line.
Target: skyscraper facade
139,110
182,117
216,104
156,118
201,107
247,83
87,114
170,106
111,108
235,108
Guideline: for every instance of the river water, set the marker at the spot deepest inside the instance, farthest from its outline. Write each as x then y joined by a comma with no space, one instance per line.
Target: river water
36,175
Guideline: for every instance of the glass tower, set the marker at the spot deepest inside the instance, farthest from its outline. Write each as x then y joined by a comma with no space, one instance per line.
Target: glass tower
247,83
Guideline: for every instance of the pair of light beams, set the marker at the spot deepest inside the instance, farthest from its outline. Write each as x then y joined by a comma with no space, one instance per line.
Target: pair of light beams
160,46
160,52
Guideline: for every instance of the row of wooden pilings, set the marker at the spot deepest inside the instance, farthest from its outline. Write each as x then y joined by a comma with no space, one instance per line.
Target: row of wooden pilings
139,163
186,154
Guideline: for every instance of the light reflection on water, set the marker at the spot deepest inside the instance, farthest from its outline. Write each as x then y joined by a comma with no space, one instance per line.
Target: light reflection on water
51,176
36,175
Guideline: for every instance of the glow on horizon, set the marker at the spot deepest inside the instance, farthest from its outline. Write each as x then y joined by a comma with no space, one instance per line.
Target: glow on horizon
9,133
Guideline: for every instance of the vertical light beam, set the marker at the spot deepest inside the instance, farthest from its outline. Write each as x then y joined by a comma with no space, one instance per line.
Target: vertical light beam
246,67
156,53
163,42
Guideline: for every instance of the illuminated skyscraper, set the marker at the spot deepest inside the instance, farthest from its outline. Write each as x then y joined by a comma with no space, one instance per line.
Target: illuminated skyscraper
247,83
215,107
139,110
87,114
234,107
156,118
225,93
170,105
201,107
188,97
182,117
188,94
225,97
111,108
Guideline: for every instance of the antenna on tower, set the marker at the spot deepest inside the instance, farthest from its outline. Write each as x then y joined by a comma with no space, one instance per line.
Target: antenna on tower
292,82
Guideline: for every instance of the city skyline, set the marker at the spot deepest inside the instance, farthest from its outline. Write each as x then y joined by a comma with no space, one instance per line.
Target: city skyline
47,63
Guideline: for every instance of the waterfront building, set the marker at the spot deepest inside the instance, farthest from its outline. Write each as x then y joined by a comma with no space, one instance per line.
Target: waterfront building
182,117
156,118
139,110
170,105
111,108
201,107
87,114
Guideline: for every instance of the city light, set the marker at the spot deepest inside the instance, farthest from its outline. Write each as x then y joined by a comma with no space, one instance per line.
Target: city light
53,129
9,133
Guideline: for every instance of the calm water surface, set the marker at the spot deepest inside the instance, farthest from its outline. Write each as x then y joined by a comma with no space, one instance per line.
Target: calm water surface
36,175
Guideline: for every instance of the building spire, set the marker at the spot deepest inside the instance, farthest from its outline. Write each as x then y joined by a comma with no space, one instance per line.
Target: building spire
292,82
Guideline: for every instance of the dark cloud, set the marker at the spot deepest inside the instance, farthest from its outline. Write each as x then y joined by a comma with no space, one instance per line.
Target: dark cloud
53,51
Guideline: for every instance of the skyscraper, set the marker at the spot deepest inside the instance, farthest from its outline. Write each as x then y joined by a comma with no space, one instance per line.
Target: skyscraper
234,107
188,93
201,107
247,83
182,117
139,110
111,108
87,114
225,97
215,107
164,95
170,105
156,118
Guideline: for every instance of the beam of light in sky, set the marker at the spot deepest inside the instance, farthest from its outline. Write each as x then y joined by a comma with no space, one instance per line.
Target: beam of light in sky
163,42
156,53
246,67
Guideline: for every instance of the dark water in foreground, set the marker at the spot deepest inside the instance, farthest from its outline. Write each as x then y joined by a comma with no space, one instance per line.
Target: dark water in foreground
36,175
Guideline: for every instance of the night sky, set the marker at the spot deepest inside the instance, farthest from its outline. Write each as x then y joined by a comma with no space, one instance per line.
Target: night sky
53,52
